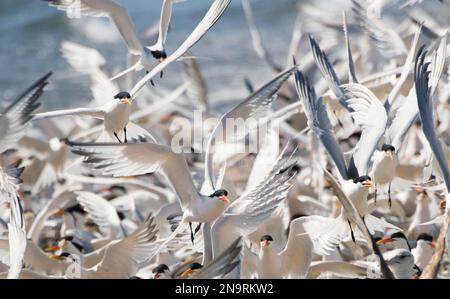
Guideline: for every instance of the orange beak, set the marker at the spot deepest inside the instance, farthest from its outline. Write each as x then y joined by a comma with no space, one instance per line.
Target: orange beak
385,240
442,204
187,273
126,101
52,248
106,189
367,184
224,199
56,257
59,212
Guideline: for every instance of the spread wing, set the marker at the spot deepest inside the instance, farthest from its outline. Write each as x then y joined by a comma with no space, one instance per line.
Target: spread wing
257,42
14,119
17,238
93,112
212,16
425,103
122,258
102,213
318,121
371,115
104,8
328,72
254,106
386,40
222,264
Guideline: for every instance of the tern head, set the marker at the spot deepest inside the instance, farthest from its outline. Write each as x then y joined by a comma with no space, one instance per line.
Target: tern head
160,55
61,257
401,263
192,268
159,270
123,97
365,181
221,194
266,240
76,242
389,150
396,240
428,239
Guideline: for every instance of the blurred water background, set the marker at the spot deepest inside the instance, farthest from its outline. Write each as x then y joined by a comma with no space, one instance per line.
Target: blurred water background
31,33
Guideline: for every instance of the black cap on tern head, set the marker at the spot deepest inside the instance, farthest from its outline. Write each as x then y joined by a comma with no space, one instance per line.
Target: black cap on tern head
266,238
220,192
195,266
122,95
399,235
361,179
388,147
65,254
160,268
425,237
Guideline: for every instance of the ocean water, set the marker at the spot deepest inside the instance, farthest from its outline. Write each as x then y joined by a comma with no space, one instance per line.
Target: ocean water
31,33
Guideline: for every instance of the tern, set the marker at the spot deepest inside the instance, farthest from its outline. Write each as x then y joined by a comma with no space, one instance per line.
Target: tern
115,115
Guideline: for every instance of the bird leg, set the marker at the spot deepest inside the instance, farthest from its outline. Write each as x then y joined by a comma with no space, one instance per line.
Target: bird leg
338,120
192,233
161,74
389,194
125,132
151,81
115,134
351,231
197,228
375,199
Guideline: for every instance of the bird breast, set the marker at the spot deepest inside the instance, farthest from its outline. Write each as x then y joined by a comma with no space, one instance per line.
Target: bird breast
383,169
358,195
204,210
117,118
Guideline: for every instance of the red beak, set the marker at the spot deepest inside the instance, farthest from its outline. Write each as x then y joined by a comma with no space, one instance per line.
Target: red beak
433,244
157,275
224,199
385,240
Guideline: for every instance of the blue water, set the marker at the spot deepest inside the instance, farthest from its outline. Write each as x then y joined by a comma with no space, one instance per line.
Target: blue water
31,33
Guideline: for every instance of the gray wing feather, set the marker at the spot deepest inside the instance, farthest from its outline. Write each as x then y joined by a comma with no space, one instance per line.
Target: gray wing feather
319,122
15,117
328,72
425,103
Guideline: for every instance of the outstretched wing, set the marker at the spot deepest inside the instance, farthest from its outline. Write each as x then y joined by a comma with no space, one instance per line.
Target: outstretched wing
17,238
212,16
318,121
102,213
164,22
93,112
122,258
15,117
254,106
258,45
104,8
222,264
388,43
351,63
371,115
425,103
328,72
